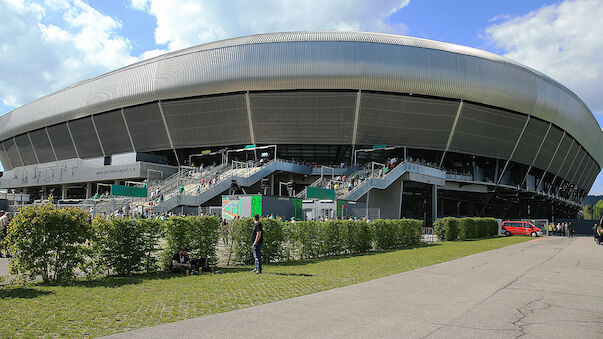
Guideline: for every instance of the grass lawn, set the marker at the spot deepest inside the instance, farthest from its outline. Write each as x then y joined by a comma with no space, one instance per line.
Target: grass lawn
109,305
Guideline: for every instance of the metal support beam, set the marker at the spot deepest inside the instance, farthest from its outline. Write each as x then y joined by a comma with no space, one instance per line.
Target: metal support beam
563,162
552,158
452,130
249,119
434,203
502,173
123,116
73,141
356,116
536,155
400,207
51,145
7,157
33,148
98,136
587,168
18,152
577,167
167,130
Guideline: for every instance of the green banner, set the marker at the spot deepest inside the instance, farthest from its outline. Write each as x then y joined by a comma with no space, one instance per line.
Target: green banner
129,191
320,193
256,205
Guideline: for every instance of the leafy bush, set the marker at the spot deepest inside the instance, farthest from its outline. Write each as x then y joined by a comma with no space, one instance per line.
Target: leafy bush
330,235
241,242
305,238
272,248
358,238
199,234
397,233
151,233
48,242
446,229
465,228
118,245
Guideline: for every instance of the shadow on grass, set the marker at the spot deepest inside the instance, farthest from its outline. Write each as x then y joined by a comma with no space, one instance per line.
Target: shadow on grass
301,262
22,293
290,274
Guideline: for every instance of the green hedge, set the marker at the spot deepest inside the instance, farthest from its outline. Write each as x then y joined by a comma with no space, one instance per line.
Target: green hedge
447,229
54,242
124,245
396,233
311,239
199,234
48,242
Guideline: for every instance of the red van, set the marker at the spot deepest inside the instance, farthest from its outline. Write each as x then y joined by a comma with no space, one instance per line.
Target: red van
520,227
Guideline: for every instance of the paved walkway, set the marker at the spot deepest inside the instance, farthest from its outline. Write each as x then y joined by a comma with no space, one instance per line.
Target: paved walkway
541,288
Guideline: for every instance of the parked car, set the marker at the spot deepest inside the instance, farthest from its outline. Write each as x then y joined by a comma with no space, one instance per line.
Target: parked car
521,228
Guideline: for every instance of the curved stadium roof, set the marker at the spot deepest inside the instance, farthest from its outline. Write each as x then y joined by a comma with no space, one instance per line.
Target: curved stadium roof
320,60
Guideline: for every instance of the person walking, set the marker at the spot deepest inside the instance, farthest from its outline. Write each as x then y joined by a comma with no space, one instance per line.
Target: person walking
257,238
570,230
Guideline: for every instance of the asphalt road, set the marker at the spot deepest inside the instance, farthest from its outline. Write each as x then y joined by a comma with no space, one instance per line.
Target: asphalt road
542,288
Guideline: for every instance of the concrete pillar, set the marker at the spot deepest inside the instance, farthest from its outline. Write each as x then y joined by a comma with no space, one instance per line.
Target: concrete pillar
368,199
88,190
116,182
434,203
401,201
272,184
44,192
64,192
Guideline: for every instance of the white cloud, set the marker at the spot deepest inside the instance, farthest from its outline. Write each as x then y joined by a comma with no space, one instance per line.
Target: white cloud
564,41
50,45
191,22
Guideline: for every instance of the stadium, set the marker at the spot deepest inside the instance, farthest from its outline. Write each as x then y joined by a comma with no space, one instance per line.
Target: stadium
405,126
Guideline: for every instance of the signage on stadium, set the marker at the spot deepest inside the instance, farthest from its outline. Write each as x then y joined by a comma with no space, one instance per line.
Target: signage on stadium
129,191
320,193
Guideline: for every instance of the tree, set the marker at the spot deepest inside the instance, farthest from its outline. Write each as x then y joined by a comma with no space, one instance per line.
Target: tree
598,210
588,212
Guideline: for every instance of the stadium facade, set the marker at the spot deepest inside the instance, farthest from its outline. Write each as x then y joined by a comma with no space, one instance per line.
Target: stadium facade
481,135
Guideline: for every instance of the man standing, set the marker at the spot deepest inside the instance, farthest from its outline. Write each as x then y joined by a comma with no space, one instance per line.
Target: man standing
257,238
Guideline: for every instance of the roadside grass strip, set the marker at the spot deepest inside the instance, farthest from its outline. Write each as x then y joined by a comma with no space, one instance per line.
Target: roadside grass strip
114,304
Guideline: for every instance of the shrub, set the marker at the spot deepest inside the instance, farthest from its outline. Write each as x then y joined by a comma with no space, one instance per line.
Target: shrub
241,230
487,227
304,239
465,228
358,238
198,234
151,232
272,248
446,229
396,233
203,233
118,245
384,234
330,235
48,242
408,231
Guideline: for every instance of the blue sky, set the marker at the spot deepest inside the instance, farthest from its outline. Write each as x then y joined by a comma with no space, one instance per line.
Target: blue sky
46,45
